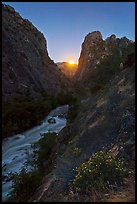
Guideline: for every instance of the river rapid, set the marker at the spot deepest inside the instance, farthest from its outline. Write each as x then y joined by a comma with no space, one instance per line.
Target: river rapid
16,149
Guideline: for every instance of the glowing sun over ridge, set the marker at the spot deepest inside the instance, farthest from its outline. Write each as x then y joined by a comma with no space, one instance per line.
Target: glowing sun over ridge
71,62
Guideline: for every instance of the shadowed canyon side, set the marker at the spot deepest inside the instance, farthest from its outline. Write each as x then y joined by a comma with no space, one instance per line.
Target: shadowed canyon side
26,67
105,121
32,84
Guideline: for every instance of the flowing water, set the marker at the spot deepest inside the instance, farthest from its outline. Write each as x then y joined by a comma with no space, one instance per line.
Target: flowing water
16,149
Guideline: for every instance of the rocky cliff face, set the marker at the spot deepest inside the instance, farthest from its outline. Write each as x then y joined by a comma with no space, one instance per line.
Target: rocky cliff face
95,50
26,66
67,69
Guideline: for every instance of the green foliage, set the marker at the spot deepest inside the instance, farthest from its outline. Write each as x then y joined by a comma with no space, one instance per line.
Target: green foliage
75,151
24,112
73,112
130,60
80,89
95,89
129,50
100,171
67,98
107,68
110,66
24,185
44,148
73,107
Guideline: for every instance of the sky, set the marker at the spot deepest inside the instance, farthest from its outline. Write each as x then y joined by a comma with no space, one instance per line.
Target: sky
65,24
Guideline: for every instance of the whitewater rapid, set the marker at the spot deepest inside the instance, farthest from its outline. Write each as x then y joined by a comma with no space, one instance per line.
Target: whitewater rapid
16,149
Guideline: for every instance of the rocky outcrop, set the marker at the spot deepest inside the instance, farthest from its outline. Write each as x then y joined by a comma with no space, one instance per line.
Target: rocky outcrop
51,120
89,50
67,69
26,67
94,50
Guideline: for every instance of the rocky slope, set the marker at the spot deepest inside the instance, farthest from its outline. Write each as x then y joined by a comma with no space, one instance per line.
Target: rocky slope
26,66
68,69
105,121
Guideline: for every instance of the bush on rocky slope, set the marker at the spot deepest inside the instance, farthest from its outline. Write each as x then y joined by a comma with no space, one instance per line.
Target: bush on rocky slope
24,185
100,172
44,148
110,66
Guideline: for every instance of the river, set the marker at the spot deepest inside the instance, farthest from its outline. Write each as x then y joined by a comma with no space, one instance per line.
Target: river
16,149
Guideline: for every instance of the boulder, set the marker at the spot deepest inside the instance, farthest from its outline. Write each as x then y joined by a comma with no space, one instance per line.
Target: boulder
51,120
61,116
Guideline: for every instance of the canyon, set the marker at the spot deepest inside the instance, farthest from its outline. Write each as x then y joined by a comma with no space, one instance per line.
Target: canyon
101,115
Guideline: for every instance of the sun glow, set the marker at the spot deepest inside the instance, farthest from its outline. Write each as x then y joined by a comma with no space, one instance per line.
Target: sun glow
71,62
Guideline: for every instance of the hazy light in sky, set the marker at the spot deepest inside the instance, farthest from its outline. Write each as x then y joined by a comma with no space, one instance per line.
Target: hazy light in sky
71,62
65,24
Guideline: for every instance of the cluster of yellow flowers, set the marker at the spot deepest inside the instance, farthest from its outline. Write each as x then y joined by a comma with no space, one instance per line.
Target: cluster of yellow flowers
102,169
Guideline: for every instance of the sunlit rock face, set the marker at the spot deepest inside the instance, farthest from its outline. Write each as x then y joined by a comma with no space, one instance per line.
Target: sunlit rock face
89,51
26,67
94,50
67,69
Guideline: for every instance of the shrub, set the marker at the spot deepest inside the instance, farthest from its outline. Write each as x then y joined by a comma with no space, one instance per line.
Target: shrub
130,60
75,151
67,98
107,69
44,148
72,112
95,89
24,185
100,171
110,66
